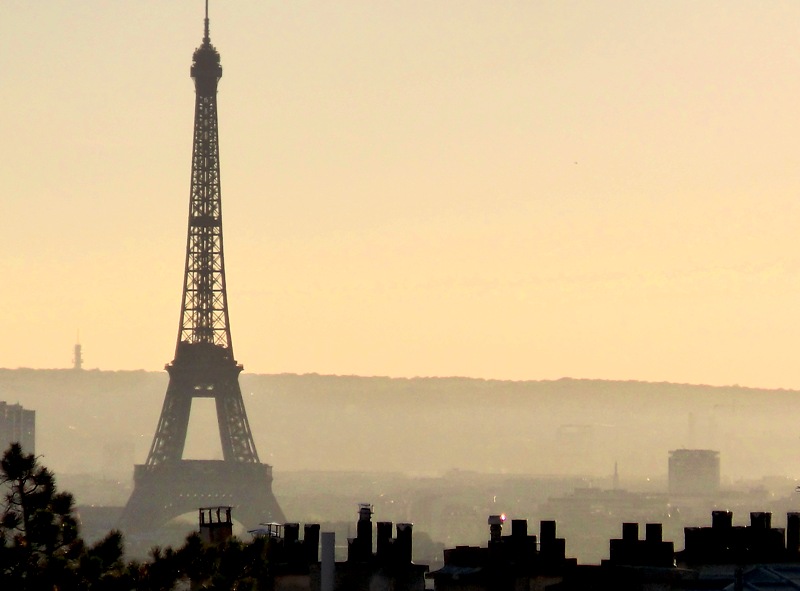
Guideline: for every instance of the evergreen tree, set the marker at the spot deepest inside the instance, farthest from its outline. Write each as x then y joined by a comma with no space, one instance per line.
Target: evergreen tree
40,546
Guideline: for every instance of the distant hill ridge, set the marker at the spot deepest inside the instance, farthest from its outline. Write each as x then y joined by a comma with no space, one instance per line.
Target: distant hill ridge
103,421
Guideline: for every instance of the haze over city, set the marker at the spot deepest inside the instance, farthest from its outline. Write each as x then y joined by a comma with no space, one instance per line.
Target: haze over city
514,190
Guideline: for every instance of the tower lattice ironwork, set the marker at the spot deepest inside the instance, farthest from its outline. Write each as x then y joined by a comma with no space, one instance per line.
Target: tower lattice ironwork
166,485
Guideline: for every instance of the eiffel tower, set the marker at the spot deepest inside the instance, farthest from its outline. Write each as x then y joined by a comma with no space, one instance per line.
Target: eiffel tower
166,485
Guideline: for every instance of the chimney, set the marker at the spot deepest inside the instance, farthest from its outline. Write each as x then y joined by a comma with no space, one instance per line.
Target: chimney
519,528
721,520
384,541
311,542
652,532
215,526
291,533
760,520
496,527
364,532
630,532
793,532
547,533
404,543
328,568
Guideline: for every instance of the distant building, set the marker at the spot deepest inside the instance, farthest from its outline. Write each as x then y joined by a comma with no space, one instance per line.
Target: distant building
17,425
77,357
693,472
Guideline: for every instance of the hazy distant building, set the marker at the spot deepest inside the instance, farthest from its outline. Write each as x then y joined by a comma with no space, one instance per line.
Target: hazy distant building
17,425
693,472
77,357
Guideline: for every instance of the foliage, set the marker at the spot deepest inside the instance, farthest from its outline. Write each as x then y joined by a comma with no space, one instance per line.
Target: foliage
41,547
229,565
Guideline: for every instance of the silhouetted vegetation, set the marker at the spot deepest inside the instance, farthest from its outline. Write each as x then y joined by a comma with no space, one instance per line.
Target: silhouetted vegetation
41,547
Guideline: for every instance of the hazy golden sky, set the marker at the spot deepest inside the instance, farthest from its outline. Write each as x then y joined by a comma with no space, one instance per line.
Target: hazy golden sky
519,190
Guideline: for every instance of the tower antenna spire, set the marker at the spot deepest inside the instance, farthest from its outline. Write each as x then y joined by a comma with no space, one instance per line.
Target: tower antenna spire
207,37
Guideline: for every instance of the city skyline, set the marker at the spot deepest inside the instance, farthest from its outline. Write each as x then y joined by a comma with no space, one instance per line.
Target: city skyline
516,191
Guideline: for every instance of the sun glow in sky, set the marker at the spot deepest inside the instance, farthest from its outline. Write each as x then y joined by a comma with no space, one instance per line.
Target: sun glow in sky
513,189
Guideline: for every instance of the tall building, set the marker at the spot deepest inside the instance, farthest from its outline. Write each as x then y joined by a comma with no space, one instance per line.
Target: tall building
166,485
17,425
694,472
77,357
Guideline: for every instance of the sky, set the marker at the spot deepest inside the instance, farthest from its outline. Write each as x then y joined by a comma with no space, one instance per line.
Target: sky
515,189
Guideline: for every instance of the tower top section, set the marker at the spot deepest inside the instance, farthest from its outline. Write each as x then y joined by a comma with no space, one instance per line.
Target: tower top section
204,327
206,37
206,69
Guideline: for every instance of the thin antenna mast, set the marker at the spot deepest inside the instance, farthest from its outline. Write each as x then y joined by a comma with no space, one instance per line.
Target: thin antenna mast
207,37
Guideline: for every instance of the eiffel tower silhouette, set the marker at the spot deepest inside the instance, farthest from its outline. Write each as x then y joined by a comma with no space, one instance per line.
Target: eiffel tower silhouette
166,485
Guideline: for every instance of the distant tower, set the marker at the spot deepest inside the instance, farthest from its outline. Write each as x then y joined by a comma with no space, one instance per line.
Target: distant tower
615,483
77,357
694,472
204,365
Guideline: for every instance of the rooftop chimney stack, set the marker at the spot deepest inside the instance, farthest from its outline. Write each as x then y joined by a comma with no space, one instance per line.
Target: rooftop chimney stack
384,541
311,542
496,527
216,524
328,567
721,520
630,532
404,548
364,532
760,520
793,532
